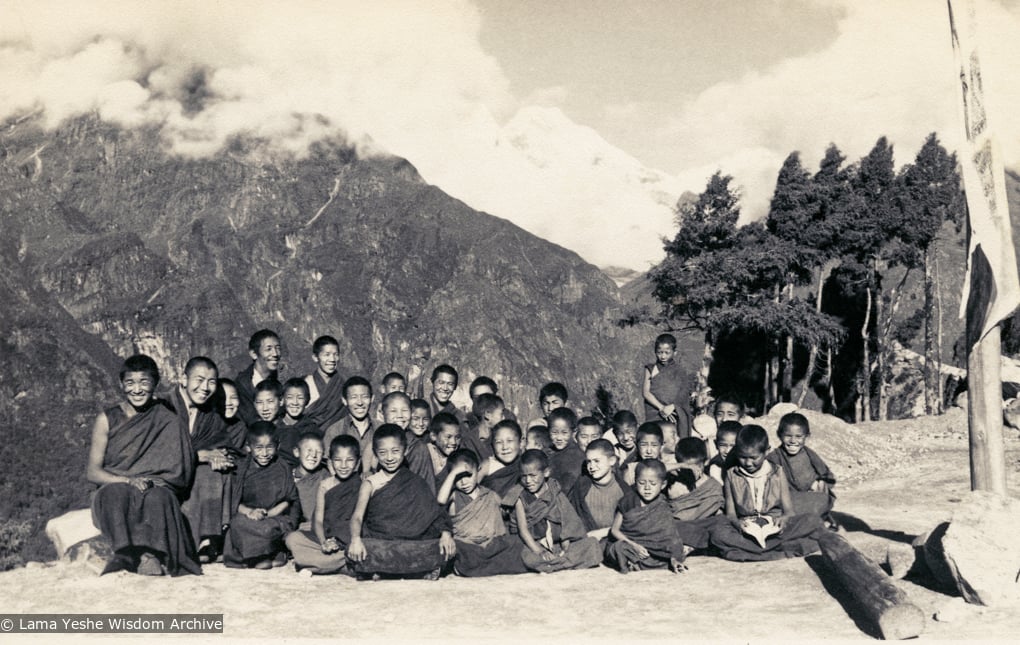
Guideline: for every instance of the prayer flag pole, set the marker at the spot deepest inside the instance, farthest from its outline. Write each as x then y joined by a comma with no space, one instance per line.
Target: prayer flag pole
991,287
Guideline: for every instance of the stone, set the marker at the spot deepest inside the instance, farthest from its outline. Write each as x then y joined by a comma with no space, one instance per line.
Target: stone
704,426
780,409
899,558
981,551
93,554
1011,413
71,528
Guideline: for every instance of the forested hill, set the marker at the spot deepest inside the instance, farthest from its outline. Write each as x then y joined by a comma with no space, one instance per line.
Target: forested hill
112,245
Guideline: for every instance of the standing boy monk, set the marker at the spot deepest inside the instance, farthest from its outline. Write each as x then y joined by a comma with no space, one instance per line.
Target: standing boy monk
392,382
444,432
648,446
357,396
268,399
265,351
398,527
598,491
588,429
667,387
503,468
266,505
444,383
623,434
322,550
325,387
565,458
486,411
421,416
695,498
644,536
293,423
550,397
553,535
484,548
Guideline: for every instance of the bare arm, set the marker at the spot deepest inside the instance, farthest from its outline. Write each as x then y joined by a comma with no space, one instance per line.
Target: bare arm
731,506
319,513
523,530
356,551
443,495
785,499
279,508
94,471
615,531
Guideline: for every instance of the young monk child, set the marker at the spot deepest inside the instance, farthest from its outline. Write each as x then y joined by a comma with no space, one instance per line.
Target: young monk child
392,382
550,397
485,385
308,474
807,474
398,527
503,468
444,383
643,533
396,407
322,550
588,429
267,401
267,505
421,416
486,411
484,548
553,535
565,458
669,439
667,387
623,433
325,387
728,408
357,397
265,350
599,490
725,438
649,446
227,404
538,439
293,424
444,432
695,498
757,495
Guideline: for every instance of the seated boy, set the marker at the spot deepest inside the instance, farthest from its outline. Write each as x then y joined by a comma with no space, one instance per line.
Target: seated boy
668,386
308,474
807,474
643,533
265,351
486,411
553,535
398,527
444,432
392,382
538,439
266,505
325,387
484,548
293,424
762,522
649,446
623,434
396,407
725,437
598,491
421,416
695,498
322,550
503,468
565,458
357,396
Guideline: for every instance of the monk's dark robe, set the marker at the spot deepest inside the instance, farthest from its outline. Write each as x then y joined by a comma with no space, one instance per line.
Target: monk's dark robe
802,470
289,435
566,465
261,487
346,426
484,548
338,507
329,407
236,431
308,491
697,511
149,444
401,528
470,439
505,478
418,459
651,526
447,407
550,514
203,507
578,499
672,383
246,394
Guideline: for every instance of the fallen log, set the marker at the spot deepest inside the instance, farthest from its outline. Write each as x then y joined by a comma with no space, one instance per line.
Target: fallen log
882,602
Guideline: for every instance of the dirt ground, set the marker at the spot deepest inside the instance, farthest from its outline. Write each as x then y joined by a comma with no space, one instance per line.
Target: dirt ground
715,600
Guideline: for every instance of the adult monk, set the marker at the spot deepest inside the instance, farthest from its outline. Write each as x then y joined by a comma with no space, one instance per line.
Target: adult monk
142,460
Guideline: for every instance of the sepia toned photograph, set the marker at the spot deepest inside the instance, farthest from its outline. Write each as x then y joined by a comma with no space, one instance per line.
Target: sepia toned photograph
509,320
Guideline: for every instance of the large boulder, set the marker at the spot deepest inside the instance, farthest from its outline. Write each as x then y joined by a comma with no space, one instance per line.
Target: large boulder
979,550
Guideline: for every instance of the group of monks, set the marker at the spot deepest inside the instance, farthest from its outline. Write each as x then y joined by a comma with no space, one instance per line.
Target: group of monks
259,471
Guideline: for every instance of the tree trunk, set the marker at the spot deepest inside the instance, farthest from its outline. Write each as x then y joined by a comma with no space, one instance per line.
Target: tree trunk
707,356
830,389
865,379
938,334
880,358
786,383
813,352
931,364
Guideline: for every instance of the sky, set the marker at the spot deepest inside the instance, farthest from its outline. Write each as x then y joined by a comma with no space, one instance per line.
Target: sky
581,121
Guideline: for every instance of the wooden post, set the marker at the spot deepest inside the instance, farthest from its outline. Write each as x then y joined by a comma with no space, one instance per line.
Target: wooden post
882,602
984,414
